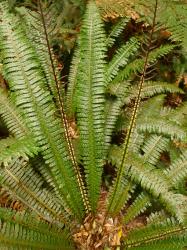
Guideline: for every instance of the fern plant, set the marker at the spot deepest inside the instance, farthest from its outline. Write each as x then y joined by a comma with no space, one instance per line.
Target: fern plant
58,176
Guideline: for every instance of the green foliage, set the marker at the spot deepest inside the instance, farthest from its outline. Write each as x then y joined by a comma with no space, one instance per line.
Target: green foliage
59,178
164,235
28,232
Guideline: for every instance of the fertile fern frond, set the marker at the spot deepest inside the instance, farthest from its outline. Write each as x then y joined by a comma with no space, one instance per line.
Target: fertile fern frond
12,148
56,89
29,232
118,183
90,100
35,101
167,235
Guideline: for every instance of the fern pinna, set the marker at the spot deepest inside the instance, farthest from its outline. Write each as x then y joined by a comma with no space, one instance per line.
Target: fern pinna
57,177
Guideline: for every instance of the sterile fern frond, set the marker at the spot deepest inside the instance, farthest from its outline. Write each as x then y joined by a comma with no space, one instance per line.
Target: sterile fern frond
153,146
167,235
29,232
20,180
11,116
116,31
136,66
12,148
152,181
71,101
90,100
141,203
121,57
177,171
152,88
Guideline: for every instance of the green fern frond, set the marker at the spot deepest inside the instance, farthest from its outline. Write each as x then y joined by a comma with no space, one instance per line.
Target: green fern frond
12,148
126,193
113,107
152,181
71,102
11,116
121,57
157,217
166,235
152,88
91,100
117,186
153,147
136,65
141,203
148,121
22,182
177,171
57,93
162,127
27,80
29,232
116,31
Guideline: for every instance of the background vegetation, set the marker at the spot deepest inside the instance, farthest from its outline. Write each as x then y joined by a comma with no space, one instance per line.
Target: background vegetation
93,126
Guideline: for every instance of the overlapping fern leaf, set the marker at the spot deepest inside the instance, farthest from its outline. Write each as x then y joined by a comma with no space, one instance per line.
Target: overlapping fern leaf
36,103
38,164
29,232
164,235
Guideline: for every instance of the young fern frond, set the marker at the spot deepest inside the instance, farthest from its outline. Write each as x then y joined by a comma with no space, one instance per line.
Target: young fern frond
29,232
91,100
36,104
118,184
